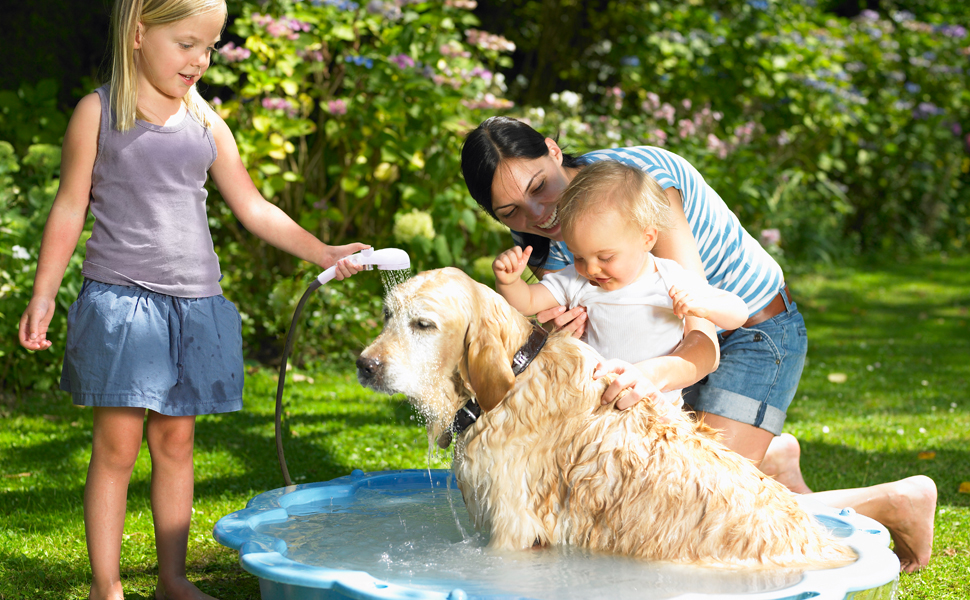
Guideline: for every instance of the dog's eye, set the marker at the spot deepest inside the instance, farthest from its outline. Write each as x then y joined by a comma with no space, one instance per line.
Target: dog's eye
387,315
423,324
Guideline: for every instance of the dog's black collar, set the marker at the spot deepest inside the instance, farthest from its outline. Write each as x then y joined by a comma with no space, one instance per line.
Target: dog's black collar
524,356
522,359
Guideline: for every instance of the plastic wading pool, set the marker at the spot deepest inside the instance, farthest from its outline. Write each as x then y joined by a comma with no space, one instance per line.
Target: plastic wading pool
398,535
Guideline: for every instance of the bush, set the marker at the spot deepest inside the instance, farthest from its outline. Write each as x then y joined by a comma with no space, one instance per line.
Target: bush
844,134
832,136
27,188
349,118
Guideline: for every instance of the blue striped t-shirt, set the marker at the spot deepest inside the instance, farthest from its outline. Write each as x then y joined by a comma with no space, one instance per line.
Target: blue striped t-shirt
733,260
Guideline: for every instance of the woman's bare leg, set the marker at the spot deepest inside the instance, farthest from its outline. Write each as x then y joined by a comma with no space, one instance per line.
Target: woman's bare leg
747,440
782,462
906,508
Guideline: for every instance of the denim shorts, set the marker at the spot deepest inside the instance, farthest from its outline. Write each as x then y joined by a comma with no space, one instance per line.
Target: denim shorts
758,373
130,347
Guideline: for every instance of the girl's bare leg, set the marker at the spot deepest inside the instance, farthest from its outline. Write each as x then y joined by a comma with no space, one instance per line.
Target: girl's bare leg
170,441
117,436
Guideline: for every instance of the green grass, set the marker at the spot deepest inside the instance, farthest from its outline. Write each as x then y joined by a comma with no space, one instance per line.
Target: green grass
898,333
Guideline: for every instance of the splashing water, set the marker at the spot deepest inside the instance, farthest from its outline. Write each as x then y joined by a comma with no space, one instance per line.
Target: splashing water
394,277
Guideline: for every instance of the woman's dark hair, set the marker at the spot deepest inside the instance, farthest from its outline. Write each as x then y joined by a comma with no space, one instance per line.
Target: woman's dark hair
495,140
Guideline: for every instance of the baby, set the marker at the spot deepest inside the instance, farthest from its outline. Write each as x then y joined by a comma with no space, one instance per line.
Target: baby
611,215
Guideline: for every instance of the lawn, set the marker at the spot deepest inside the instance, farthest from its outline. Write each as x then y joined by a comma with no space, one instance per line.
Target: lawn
884,396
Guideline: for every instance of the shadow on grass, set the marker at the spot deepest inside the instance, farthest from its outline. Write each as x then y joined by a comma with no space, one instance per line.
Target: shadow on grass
247,437
218,573
832,466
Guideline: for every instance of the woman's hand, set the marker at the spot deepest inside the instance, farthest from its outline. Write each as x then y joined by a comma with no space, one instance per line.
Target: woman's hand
572,320
629,378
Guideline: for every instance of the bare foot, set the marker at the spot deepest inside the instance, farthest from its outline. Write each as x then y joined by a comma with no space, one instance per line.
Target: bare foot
906,508
180,589
910,521
781,462
110,591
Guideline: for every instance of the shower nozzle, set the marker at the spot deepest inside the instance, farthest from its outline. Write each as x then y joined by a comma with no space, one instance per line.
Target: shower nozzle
385,259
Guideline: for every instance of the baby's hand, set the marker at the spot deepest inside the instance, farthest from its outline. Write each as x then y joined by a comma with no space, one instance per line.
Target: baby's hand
687,305
509,265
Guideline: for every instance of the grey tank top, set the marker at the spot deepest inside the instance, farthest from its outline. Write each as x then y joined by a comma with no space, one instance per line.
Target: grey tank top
148,202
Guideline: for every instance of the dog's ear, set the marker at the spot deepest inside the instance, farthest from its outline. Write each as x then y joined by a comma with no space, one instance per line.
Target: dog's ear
486,367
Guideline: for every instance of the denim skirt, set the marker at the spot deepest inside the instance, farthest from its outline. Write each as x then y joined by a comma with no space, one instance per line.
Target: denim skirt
130,347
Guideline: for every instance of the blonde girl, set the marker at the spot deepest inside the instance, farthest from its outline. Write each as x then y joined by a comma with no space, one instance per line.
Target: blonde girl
150,330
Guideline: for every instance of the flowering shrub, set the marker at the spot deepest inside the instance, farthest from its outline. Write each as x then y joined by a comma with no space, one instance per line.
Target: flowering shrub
350,117
826,136
843,134
27,188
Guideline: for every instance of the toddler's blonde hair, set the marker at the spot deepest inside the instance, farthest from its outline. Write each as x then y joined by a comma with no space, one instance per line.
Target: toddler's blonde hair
124,22
609,184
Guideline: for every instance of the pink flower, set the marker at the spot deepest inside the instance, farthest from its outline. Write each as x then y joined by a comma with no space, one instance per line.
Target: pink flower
291,108
232,53
770,237
652,102
666,112
488,102
402,61
488,41
288,28
717,146
337,107
745,133
686,128
480,72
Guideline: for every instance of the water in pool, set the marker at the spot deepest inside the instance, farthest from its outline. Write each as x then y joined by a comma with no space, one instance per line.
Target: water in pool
423,540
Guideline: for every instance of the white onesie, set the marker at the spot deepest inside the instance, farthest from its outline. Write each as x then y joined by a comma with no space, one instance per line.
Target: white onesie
633,323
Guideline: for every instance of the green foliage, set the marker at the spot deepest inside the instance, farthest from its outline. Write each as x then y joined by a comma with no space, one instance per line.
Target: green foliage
28,183
845,134
350,118
30,115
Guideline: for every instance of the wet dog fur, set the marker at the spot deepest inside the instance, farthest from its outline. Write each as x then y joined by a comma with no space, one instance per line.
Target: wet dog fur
547,464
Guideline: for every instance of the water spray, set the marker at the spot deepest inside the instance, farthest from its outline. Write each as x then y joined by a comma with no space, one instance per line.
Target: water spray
386,259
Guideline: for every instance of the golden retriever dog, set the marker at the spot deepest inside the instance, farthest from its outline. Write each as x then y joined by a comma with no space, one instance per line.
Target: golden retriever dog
547,463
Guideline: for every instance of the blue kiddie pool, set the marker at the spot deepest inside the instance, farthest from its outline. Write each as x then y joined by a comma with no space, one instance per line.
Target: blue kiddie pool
406,535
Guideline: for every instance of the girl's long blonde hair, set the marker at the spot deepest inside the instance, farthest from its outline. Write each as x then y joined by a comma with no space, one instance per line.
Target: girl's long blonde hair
124,20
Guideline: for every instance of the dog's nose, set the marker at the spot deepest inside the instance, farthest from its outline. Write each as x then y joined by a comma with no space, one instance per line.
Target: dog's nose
367,367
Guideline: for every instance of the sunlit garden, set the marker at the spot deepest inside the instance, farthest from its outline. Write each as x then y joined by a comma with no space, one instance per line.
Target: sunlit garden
837,132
